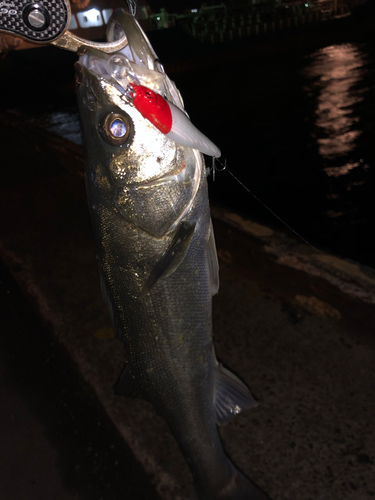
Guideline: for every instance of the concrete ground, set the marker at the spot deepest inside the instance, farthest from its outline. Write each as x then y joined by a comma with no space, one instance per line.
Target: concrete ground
296,326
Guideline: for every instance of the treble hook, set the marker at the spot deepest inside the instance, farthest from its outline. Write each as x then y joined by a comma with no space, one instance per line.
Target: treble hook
215,169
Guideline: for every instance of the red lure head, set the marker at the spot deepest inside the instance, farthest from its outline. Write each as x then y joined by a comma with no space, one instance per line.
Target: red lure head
153,107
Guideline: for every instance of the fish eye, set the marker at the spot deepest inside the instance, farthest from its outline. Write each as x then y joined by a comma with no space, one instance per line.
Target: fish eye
116,129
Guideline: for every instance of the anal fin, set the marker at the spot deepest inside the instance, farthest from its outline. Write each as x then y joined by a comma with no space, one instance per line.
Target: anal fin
231,396
127,385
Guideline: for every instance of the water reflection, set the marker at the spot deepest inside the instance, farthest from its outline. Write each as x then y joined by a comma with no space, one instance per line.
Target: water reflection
336,73
345,169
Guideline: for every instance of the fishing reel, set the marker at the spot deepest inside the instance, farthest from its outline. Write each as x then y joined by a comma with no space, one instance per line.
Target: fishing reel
47,22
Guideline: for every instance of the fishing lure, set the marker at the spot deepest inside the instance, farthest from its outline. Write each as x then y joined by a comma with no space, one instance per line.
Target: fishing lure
170,120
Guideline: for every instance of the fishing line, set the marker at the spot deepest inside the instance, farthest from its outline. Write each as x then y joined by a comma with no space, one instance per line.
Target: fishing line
224,167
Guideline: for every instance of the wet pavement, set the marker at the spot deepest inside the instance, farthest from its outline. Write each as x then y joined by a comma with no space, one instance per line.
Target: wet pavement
296,326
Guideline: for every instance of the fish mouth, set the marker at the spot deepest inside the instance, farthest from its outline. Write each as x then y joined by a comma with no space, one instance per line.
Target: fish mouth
136,73
138,49
135,64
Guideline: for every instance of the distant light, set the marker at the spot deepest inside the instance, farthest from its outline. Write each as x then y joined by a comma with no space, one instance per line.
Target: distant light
306,4
158,18
194,10
93,15
89,18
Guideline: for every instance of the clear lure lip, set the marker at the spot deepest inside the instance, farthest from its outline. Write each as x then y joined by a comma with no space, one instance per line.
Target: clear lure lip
137,72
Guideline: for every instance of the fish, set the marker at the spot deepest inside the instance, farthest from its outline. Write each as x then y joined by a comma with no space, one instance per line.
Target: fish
146,186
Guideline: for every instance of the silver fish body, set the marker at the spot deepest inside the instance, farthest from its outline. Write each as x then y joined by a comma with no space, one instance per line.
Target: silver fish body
149,207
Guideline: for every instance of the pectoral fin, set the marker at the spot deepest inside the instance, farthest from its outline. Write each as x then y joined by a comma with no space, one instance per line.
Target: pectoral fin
231,396
173,256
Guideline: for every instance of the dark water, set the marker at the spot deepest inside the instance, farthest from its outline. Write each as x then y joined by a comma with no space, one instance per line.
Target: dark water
299,131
